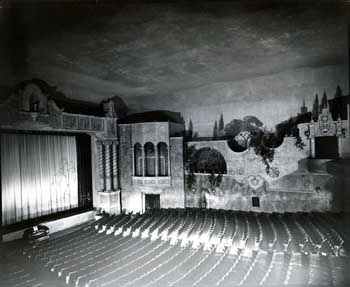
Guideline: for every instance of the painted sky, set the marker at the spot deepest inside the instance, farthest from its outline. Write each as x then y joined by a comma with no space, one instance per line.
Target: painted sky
240,57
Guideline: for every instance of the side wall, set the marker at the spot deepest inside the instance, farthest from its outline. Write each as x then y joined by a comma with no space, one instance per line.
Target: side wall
317,185
175,195
235,195
246,163
130,198
301,184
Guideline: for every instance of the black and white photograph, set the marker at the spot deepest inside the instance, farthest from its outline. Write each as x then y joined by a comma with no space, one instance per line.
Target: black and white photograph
174,143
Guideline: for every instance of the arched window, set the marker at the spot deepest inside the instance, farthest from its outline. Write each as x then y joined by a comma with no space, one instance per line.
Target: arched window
163,160
150,162
138,160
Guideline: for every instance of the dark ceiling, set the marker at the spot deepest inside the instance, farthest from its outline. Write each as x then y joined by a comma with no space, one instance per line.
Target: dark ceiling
175,51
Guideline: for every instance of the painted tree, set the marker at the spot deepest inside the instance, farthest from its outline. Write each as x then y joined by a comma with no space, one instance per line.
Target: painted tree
257,142
250,132
190,129
315,108
324,101
215,130
191,181
215,180
241,131
221,126
252,123
234,127
290,128
338,92
249,124
189,152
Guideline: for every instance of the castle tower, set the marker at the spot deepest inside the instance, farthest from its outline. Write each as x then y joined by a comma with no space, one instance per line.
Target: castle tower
303,109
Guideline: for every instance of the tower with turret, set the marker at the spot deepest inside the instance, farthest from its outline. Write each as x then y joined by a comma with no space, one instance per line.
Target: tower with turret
303,109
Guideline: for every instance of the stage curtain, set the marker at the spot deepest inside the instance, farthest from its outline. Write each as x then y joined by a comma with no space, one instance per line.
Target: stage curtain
38,175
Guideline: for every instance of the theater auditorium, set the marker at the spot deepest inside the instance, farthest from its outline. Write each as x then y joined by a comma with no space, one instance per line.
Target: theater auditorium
137,149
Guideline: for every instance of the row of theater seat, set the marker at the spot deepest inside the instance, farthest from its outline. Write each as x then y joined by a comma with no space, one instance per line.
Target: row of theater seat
193,247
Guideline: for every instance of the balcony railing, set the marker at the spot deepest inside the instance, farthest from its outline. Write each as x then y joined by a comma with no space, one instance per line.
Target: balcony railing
151,180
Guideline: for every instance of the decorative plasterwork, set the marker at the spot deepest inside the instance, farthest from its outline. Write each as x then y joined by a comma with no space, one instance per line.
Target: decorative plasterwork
30,108
110,201
254,181
326,126
151,180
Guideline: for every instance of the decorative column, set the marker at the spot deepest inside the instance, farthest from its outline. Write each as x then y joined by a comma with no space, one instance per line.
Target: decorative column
312,140
115,165
109,197
101,165
339,127
348,135
312,147
143,160
340,146
108,166
110,202
133,160
169,161
156,159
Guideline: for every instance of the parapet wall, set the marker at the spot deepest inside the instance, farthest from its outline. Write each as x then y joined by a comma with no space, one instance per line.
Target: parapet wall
244,164
301,184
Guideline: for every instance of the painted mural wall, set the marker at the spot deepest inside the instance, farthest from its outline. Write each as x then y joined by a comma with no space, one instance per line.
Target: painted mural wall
299,183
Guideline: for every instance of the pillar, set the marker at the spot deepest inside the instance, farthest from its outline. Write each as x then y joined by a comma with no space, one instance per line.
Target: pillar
312,140
312,147
340,146
110,202
108,166
109,197
143,160
101,166
133,160
115,165
169,161
156,158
